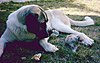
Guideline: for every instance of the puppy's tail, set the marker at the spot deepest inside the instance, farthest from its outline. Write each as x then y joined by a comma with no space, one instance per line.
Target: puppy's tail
88,21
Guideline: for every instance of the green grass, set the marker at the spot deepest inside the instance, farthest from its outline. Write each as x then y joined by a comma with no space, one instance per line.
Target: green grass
75,10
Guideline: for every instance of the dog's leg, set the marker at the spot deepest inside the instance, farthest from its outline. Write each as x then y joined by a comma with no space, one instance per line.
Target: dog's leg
60,26
88,21
48,46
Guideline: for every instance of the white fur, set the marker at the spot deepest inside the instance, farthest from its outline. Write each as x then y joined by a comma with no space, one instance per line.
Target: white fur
48,46
57,20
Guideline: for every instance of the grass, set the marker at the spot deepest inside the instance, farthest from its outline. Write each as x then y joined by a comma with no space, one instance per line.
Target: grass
75,10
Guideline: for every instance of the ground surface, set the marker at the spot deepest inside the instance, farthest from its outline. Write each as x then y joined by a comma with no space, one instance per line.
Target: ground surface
75,10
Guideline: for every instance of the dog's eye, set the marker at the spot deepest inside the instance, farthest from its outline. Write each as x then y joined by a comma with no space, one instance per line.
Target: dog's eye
79,39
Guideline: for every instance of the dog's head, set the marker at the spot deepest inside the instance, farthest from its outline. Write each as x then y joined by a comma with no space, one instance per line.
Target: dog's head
33,9
28,19
36,22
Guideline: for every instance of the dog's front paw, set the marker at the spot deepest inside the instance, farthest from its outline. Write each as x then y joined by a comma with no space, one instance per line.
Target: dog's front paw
49,47
86,40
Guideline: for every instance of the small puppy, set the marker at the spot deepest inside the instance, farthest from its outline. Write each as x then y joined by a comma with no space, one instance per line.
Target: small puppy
73,40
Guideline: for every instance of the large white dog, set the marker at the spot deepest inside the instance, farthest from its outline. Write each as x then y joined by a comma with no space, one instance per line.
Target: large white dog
56,20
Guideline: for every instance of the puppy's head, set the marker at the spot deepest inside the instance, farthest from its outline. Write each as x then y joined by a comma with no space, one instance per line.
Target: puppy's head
70,39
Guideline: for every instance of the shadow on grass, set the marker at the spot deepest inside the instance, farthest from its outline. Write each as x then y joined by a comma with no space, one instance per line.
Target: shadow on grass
14,51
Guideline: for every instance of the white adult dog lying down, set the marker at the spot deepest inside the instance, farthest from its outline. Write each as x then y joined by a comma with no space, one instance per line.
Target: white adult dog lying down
16,30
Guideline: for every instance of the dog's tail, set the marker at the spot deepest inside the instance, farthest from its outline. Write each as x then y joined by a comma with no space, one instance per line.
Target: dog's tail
88,21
